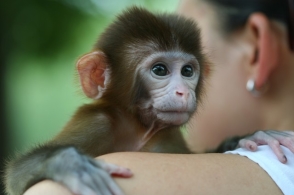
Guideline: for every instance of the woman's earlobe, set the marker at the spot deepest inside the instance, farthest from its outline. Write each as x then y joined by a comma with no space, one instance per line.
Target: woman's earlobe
251,87
265,59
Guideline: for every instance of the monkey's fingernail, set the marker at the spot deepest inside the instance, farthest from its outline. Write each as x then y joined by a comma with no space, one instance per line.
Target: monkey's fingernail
251,147
285,159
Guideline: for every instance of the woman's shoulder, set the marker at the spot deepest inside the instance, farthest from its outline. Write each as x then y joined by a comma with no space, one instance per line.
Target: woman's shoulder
154,174
193,174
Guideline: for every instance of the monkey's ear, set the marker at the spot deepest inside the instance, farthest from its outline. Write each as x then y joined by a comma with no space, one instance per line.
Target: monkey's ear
92,69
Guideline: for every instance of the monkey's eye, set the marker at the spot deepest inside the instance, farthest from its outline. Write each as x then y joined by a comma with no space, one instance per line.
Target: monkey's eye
187,71
159,69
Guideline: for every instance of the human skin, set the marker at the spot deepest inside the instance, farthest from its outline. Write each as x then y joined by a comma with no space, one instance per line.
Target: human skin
221,93
228,109
181,174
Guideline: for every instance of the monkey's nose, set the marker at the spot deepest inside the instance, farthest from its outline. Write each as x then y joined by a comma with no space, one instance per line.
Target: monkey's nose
182,94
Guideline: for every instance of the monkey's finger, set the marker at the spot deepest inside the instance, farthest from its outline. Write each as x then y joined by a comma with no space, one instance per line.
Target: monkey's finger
88,180
262,137
248,144
275,146
96,180
103,181
94,186
274,143
288,142
116,170
77,186
289,132
286,138
107,184
86,191
274,133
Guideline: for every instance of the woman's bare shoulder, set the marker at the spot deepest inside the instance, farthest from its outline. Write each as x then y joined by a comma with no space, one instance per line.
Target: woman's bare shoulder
183,174
192,174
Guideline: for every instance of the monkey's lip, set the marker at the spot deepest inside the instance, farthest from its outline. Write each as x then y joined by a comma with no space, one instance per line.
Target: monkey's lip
176,111
174,117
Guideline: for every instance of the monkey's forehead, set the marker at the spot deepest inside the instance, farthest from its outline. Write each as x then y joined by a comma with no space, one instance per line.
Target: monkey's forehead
137,25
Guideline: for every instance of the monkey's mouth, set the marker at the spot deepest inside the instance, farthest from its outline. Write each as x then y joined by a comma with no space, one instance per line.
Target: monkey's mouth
174,117
174,111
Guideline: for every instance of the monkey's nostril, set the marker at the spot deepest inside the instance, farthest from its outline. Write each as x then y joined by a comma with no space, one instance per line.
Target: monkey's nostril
179,93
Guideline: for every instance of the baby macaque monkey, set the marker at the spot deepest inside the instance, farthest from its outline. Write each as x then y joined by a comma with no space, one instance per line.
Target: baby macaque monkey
145,76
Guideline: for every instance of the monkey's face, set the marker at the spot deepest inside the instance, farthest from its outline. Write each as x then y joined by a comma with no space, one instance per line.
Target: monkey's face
170,79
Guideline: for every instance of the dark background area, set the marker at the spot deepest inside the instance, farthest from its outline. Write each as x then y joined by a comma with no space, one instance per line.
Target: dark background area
39,44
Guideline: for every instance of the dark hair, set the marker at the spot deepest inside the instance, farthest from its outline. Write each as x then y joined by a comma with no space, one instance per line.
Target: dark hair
233,14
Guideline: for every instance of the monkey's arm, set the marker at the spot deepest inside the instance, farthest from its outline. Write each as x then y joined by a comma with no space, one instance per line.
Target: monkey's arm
61,160
272,138
66,165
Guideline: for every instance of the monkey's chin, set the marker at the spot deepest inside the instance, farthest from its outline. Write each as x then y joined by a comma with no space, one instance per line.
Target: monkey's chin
173,117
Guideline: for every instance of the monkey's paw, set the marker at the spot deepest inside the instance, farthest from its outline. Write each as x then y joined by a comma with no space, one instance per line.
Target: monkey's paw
272,138
84,175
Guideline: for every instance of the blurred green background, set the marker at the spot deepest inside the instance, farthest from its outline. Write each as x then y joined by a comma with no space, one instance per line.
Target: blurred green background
40,41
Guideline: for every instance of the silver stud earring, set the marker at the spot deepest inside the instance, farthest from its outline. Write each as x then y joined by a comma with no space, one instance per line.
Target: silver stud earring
250,86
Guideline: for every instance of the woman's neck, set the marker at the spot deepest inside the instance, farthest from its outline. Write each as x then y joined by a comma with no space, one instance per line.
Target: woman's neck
279,114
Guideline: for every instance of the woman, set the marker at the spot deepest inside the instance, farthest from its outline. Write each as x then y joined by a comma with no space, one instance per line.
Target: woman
251,88
238,57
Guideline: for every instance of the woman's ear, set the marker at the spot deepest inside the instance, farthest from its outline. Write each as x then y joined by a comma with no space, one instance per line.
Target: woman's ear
266,55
